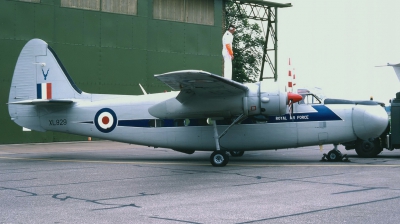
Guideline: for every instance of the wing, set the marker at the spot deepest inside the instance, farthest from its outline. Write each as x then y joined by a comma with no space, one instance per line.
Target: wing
200,83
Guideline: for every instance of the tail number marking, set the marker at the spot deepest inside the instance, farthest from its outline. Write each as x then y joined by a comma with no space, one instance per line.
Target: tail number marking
58,122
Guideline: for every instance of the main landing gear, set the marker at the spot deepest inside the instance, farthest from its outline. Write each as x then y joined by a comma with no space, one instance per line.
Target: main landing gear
335,156
219,157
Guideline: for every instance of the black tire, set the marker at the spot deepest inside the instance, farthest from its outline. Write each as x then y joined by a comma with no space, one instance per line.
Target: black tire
368,148
236,153
334,156
219,158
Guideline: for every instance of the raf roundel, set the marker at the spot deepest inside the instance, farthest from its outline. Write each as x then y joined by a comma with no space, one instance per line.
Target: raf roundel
105,120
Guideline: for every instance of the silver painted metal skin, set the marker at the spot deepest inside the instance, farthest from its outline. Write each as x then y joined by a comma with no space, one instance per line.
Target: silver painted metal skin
226,99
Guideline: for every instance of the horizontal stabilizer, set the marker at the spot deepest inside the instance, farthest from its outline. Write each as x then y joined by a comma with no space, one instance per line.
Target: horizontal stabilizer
200,83
42,102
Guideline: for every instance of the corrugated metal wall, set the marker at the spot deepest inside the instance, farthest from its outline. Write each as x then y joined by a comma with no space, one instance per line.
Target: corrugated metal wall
103,52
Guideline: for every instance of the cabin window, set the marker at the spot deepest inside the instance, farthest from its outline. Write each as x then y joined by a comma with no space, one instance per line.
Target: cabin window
156,123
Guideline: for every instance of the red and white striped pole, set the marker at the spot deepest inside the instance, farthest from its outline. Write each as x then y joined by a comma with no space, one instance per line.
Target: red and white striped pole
290,83
290,79
294,89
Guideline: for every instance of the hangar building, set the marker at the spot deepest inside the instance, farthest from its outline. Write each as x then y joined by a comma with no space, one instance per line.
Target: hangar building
109,46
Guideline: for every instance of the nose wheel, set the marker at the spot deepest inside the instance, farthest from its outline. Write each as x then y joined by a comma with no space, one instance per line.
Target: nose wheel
335,156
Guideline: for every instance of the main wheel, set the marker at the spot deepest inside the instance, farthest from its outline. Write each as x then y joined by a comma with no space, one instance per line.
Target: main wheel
219,158
368,148
334,155
236,153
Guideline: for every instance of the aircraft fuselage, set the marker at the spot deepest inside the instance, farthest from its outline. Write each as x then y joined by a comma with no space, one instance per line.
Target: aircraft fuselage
133,124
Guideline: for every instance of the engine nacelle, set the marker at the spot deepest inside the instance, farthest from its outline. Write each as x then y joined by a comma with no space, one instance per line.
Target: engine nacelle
264,98
369,121
272,99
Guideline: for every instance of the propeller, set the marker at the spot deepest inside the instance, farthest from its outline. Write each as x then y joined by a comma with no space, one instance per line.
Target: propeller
292,98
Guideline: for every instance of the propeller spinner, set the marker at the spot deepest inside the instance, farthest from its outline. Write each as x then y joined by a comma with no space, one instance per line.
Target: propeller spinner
293,98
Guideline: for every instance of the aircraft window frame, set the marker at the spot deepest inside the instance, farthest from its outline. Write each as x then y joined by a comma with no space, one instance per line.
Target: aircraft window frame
156,123
314,99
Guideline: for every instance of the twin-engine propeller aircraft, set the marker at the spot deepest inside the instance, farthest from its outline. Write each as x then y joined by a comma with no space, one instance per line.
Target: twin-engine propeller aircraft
209,113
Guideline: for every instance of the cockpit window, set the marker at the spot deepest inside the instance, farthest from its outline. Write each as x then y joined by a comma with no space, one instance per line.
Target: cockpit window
309,99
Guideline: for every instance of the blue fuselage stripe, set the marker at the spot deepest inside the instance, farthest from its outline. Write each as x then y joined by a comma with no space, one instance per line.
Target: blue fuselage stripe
322,113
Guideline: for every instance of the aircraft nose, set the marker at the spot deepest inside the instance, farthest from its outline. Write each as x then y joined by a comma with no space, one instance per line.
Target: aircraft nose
293,97
369,121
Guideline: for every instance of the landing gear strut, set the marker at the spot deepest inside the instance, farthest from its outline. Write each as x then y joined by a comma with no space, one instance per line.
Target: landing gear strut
220,157
335,156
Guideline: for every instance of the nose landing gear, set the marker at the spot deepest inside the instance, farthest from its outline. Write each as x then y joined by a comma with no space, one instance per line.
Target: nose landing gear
335,156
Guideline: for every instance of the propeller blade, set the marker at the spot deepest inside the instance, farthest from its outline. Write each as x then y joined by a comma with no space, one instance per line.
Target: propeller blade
290,105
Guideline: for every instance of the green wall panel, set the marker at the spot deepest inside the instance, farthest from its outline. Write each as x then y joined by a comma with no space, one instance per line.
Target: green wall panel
145,8
62,137
152,34
139,33
7,23
215,41
162,62
209,41
69,26
178,37
163,35
44,22
82,64
191,39
218,14
124,31
9,53
109,30
204,62
205,38
126,69
91,28
103,52
49,2
24,21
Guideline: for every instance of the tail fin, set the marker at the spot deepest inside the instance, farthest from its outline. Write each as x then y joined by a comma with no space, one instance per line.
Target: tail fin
396,68
39,78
